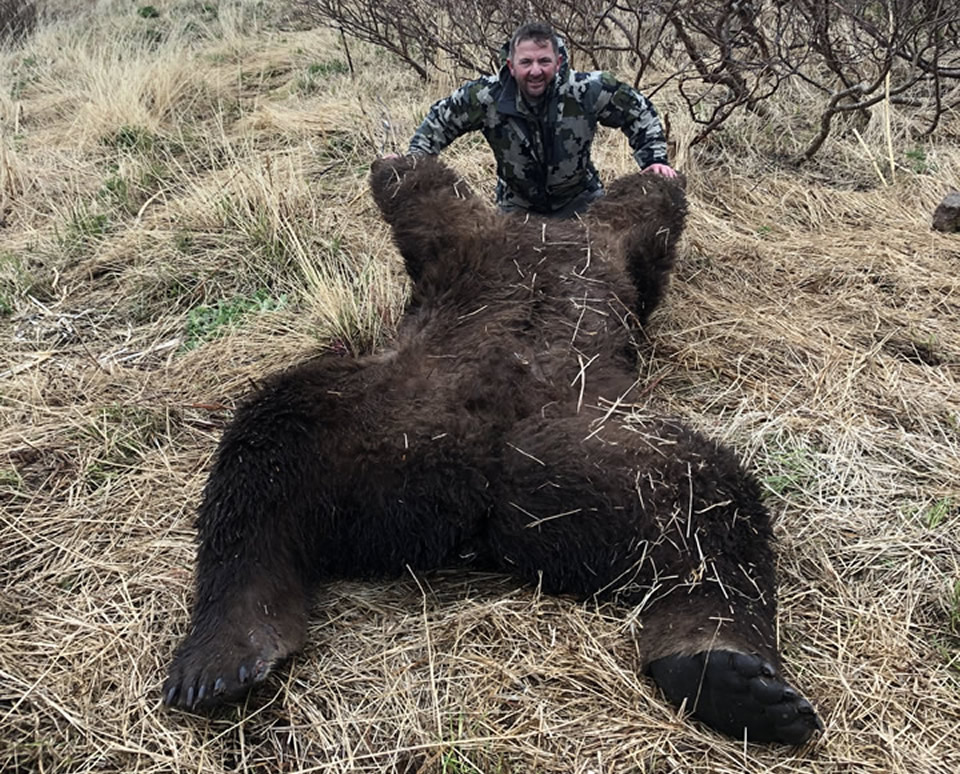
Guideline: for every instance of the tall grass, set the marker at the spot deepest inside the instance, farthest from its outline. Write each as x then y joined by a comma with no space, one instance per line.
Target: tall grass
184,209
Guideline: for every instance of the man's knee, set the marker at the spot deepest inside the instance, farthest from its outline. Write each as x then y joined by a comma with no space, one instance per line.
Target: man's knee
578,205
571,209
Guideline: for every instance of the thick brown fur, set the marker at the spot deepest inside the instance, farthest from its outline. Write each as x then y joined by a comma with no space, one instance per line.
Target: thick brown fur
489,434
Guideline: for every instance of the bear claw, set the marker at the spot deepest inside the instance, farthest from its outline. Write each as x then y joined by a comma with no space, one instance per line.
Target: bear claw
222,659
200,679
737,693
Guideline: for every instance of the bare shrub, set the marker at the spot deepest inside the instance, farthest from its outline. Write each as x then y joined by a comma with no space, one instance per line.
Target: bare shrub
863,53
723,56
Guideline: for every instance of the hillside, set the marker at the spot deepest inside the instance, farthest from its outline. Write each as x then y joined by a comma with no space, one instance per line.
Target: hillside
184,209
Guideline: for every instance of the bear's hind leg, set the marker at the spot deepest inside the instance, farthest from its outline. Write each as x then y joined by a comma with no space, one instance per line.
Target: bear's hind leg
254,561
736,693
325,473
657,517
235,643
715,656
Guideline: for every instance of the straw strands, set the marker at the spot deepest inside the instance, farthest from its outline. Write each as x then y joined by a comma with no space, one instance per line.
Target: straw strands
184,210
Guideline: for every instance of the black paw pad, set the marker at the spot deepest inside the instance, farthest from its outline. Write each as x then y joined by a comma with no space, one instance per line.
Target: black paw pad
737,693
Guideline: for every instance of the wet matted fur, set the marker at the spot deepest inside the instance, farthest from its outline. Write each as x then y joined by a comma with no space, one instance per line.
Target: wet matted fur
489,435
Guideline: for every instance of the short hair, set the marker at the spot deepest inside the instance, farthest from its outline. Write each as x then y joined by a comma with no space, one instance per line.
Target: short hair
538,32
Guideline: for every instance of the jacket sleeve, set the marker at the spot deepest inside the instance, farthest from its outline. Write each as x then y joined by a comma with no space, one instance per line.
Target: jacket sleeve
448,118
626,109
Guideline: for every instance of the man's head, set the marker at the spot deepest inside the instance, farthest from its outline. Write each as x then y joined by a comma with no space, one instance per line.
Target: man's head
534,58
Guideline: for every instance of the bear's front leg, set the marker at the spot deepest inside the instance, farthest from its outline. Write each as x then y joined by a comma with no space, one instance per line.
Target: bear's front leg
647,214
439,226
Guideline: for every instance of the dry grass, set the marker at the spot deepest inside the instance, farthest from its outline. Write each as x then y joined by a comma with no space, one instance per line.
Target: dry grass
184,209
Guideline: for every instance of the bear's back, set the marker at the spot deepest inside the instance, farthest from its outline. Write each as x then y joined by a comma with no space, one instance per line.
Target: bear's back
525,328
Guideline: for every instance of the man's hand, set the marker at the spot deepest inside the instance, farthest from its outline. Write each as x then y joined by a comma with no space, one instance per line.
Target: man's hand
664,170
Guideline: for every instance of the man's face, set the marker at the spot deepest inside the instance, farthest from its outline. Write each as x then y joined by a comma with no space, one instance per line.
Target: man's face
533,65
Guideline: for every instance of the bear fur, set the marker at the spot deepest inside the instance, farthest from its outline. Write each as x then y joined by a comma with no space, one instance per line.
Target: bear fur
494,434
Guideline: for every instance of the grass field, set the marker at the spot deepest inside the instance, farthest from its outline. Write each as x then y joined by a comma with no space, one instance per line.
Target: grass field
184,209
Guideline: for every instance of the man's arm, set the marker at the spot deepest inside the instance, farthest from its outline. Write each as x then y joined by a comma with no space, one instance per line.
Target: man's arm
626,109
448,118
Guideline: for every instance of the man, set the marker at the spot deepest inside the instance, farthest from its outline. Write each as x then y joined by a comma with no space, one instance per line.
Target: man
539,118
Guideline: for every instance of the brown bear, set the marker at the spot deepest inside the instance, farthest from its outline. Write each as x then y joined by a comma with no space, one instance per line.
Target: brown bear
495,434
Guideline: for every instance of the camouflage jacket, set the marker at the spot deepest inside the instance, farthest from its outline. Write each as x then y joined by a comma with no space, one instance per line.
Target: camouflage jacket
543,156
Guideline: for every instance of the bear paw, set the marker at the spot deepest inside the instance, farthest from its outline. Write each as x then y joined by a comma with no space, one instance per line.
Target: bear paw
737,694
221,663
410,183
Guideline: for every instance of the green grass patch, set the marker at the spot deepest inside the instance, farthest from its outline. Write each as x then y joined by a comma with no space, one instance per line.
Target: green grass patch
131,138
939,513
328,69
23,73
317,74
82,230
953,610
115,190
129,193
791,471
919,162
13,281
10,478
209,322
